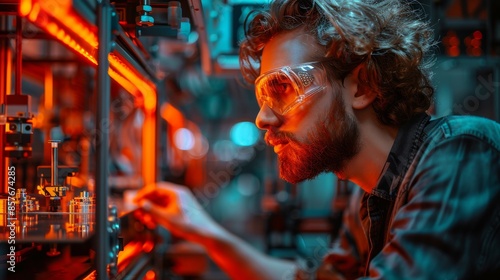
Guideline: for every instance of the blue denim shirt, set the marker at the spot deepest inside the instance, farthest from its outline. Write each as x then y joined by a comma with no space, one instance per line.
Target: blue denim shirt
435,213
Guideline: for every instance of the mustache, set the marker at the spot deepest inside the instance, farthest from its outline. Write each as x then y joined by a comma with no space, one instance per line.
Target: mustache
278,137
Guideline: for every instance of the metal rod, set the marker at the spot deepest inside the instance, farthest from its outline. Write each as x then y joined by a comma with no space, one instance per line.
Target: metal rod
19,54
102,141
137,267
4,89
51,61
6,35
129,46
32,36
490,37
54,168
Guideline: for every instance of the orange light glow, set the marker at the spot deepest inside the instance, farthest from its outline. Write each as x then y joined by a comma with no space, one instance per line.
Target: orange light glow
125,83
48,88
129,251
150,275
143,89
132,250
33,14
148,246
25,7
454,41
58,18
454,51
173,116
175,120
149,149
8,78
476,43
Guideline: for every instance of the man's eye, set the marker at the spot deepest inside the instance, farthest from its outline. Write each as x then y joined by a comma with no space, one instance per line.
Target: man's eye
282,88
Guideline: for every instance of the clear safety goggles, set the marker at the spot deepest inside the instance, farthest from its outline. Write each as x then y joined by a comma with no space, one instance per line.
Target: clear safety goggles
282,89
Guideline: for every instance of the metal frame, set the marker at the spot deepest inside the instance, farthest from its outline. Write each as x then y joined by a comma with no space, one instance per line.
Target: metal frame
102,146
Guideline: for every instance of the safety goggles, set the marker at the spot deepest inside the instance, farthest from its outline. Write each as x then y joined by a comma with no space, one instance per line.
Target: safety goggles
282,89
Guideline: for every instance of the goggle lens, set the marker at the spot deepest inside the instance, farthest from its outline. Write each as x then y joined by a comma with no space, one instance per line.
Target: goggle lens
284,88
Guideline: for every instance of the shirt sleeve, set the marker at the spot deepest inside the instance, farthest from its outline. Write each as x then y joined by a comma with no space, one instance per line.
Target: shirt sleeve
449,227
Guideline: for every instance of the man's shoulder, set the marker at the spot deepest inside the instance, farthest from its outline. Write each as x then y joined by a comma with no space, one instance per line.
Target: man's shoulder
458,126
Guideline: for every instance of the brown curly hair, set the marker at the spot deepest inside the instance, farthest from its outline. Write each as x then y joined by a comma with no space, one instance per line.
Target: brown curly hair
387,36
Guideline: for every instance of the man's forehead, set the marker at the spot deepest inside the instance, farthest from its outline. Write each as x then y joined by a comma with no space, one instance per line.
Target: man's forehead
288,48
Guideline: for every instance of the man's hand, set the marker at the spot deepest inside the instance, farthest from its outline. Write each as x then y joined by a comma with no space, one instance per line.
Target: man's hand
174,207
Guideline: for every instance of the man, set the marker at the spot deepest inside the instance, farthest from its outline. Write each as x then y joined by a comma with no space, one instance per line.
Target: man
343,87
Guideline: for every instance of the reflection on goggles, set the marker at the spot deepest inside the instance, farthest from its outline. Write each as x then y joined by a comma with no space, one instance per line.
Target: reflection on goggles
282,89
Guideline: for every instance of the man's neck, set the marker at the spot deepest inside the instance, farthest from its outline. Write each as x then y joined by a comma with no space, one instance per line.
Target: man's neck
376,141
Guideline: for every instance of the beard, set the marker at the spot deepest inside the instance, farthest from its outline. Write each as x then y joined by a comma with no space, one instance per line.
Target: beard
330,144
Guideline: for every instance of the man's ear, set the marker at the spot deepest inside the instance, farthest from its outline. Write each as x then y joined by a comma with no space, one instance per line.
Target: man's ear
364,95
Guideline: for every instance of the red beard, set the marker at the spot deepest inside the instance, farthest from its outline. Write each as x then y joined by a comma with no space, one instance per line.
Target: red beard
330,144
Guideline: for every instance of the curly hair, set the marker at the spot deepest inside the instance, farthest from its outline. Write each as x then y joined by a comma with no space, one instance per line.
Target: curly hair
388,37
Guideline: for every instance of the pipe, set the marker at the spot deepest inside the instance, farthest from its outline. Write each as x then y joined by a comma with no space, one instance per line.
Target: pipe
54,168
102,141
5,54
19,54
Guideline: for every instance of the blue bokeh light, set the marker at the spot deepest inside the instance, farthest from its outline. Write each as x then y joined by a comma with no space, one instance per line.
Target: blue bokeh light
244,134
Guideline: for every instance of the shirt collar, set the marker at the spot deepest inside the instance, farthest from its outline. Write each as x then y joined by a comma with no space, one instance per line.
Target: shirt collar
406,144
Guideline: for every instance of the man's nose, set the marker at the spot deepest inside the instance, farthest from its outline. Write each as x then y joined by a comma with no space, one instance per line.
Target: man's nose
267,118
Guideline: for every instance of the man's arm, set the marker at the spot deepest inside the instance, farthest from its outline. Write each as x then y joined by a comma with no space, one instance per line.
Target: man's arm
450,226
175,208
242,261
